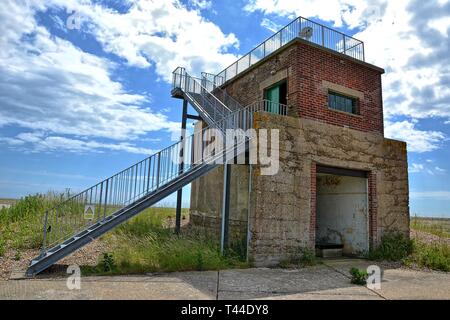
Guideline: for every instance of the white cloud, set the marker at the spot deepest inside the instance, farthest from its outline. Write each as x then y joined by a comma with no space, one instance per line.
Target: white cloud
270,25
407,37
440,170
201,4
40,142
351,12
435,195
49,85
163,34
418,140
416,168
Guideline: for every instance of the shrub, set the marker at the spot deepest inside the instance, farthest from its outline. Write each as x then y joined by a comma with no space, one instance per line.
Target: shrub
393,247
359,277
108,262
434,256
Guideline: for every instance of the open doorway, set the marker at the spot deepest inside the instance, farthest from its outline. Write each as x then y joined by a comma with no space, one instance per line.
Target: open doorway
275,95
342,216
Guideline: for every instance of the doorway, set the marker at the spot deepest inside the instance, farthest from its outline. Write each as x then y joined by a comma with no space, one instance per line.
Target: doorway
342,214
276,95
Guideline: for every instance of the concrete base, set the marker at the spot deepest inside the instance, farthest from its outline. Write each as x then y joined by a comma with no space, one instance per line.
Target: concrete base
329,253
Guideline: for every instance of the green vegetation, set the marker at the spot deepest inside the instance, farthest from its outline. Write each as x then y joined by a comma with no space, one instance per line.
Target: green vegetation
306,258
21,224
435,256
144,245
396,247
393,247
359,277
437,227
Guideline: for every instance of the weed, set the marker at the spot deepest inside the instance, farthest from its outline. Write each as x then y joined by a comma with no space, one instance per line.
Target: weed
434,256
2,247
108,262
359,277
393,247
306,258
17,256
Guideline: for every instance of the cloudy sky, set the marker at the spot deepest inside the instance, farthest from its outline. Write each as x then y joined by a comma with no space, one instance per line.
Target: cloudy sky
85,84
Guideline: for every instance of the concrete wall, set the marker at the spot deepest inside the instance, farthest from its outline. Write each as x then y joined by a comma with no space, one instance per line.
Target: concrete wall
283,207
343,213
206,203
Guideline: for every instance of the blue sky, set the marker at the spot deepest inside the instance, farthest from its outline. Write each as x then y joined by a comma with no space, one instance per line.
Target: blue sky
85,85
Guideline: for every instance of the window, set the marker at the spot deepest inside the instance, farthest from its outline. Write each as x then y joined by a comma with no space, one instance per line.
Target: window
340,102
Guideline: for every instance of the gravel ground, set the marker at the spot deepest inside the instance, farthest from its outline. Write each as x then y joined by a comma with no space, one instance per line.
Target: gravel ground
428,237
86,256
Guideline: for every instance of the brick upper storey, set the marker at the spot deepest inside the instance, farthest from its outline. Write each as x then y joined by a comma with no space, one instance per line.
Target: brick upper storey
311,72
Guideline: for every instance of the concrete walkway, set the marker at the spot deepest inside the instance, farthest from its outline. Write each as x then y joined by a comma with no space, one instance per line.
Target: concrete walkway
327,281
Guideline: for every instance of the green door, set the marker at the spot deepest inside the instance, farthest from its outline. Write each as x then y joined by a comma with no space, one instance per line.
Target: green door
273,97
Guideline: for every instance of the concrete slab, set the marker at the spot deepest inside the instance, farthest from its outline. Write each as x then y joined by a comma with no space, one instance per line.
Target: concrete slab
329,281
403,284
189,286
293,284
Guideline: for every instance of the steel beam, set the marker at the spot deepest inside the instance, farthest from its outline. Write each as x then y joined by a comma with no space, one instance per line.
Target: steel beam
181,168
225,209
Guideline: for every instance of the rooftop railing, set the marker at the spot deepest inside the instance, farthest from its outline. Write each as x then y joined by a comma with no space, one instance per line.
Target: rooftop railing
299,28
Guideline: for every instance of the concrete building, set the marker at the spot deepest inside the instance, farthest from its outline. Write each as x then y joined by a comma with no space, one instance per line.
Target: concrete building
340,183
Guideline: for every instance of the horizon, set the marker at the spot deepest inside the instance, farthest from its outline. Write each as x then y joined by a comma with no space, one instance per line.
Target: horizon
88,87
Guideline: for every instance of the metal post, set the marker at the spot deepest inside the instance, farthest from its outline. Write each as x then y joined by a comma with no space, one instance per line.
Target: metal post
44,243
106,198
225,208
181,167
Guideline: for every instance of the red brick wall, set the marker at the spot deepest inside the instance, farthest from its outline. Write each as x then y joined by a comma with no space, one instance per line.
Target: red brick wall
312,66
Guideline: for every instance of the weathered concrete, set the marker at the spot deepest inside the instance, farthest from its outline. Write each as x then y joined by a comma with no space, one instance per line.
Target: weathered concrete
328,281
283,211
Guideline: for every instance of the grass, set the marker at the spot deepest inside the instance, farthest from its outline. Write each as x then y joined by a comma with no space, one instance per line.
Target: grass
145,245
393,247
437,227
396,247
21,224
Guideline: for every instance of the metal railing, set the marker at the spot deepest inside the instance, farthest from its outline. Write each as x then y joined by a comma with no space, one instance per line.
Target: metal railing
211,107
108,197
302,28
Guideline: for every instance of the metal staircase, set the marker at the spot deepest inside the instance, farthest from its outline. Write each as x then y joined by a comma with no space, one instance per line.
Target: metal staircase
67,227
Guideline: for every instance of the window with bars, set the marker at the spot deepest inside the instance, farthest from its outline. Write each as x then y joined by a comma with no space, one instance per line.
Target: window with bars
343,103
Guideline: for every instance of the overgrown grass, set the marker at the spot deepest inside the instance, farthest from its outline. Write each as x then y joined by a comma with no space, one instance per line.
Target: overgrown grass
435,256
393,247
145,245
396,247
21,224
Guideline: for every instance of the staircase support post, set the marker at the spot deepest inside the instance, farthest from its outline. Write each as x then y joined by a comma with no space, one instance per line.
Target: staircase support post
181,168
225,209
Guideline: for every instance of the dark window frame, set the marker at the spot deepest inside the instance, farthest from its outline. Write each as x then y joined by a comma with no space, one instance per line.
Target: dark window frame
340,102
